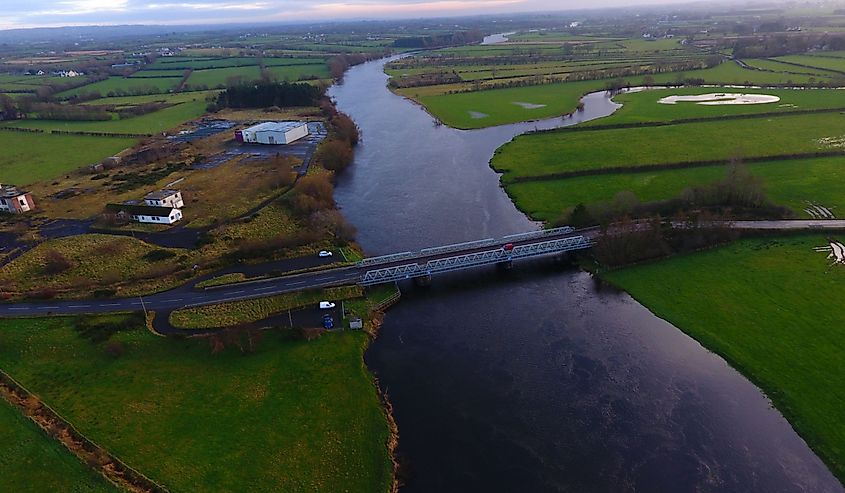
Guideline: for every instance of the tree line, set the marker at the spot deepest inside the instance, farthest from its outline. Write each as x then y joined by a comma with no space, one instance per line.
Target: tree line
266,94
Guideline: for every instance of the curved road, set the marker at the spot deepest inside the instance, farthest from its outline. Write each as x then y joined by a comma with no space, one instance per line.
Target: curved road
186,295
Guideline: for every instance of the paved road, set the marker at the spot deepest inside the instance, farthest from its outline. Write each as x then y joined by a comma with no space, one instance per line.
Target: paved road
186,295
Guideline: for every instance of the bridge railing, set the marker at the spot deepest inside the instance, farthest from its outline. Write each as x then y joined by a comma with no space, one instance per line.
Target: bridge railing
459,247
486,257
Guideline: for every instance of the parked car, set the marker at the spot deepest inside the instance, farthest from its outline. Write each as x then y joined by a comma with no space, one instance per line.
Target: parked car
328,322
326,305
325,253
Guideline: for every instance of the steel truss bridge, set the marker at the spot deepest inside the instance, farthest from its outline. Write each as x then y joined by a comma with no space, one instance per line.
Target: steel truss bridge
449,258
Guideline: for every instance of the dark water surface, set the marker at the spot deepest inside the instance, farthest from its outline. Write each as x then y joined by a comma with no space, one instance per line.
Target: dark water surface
537,380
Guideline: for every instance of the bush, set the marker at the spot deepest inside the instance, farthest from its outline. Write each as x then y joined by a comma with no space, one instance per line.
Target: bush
159,255
335,155
55,263
115,349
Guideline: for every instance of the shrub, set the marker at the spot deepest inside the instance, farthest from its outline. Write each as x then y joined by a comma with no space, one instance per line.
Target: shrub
55,262
159,255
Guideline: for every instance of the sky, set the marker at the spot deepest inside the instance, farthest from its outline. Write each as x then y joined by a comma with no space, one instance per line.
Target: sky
50,13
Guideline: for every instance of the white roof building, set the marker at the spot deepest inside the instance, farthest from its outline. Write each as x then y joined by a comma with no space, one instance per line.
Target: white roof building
273,133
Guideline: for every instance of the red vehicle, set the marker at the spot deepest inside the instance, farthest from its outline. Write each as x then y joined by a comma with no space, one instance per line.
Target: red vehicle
508,247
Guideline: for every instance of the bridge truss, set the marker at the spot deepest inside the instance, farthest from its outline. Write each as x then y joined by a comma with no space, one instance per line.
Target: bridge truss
475,259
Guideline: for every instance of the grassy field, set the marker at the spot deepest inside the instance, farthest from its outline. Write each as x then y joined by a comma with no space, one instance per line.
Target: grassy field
490,107
219,77
498,107
27,158
127,264
297,72
773,311
562,151
31,462
126,85
238,312
179,97
828,63
644,107
151,123
295,416
789,183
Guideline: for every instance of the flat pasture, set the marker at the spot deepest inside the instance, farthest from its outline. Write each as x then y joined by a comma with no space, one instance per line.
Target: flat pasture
293,416
31,157
568,151
149,124
125,85
643,106
789,183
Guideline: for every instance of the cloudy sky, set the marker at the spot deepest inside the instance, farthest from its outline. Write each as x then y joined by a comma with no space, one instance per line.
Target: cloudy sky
36,13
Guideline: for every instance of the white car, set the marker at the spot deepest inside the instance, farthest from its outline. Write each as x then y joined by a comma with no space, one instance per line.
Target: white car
326,305
325,253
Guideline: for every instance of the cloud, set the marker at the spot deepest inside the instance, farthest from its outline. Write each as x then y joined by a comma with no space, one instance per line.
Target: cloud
33,13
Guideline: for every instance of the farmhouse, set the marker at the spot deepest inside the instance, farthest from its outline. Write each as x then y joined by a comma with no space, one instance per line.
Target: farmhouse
15,201
273,133
165,198
147,213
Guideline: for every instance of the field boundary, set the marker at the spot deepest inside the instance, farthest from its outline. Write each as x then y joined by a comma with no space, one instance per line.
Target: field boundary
95,456
644,168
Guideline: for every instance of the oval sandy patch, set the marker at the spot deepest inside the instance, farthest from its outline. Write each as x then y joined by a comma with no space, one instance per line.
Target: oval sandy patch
714,99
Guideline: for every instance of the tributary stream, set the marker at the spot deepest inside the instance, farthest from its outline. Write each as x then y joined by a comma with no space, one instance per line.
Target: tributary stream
537,379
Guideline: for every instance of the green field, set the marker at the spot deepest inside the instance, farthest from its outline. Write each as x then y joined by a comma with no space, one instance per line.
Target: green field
297,72
644,107
199,63
776,66
828,63
294,416
788,183
772,309
563,150
117,85
150,123
32,462
179,97
219,77
499,104
29,157
490,107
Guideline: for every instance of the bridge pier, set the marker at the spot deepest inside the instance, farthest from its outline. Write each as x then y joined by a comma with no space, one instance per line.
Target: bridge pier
423,281
505,266
565,258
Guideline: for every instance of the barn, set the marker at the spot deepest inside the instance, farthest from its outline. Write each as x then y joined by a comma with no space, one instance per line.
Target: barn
273,133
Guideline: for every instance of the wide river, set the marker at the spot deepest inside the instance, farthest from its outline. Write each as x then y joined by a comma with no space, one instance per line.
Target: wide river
538,379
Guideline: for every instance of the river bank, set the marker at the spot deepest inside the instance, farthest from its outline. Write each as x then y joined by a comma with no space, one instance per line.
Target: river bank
592,392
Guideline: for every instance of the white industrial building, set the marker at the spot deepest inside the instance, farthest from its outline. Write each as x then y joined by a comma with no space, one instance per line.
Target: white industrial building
273,133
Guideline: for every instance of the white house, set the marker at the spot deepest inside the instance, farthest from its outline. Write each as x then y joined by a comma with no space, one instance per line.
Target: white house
148,213
273,133
165,198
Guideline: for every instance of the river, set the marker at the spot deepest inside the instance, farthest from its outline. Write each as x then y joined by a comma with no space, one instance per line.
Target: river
538,379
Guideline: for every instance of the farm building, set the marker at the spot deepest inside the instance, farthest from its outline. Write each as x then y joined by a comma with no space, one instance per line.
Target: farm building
15,201
147,213
273,133
165,198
